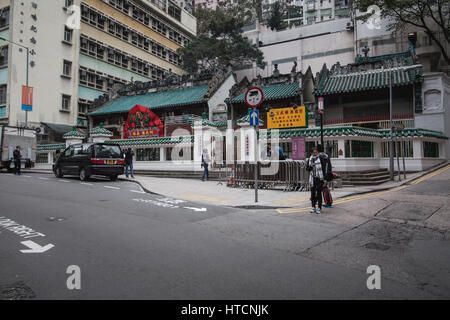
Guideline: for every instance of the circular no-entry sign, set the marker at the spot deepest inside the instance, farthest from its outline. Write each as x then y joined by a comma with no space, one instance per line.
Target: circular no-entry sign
254,97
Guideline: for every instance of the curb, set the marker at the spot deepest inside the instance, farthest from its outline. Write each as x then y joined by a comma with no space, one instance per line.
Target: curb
141,185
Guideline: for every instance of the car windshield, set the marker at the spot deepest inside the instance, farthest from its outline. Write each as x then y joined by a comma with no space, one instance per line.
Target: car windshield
107,151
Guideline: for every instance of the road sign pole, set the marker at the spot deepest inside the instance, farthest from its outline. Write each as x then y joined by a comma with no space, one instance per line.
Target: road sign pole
253,98
256,163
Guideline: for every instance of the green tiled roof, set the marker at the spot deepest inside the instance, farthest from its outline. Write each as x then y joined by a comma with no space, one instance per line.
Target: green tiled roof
246,119
280,91
355,131
102,131
49,147
155,100
73,133
415,133
153,141
368,80
206,122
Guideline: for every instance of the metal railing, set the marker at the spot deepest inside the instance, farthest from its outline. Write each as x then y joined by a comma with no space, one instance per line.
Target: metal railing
291,175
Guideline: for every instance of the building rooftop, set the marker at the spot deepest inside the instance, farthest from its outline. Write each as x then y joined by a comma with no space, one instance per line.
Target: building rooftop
155,100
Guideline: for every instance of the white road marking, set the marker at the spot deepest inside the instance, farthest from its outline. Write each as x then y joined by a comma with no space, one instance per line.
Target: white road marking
42,178
26,176
112,187
137,191
86,184
34,247
63,181
196,209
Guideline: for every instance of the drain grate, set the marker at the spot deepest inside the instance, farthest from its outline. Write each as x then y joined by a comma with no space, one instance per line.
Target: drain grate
376,246
16,291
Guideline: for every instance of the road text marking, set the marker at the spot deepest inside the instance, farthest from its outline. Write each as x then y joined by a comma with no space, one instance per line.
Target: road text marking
34,247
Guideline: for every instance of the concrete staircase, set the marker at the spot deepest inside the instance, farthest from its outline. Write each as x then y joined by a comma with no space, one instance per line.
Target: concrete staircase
213,175
365,178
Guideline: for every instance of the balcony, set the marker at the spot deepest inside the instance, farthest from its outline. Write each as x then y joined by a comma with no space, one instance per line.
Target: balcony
383,120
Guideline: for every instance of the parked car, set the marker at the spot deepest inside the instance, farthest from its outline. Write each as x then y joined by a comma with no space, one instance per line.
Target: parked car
87,159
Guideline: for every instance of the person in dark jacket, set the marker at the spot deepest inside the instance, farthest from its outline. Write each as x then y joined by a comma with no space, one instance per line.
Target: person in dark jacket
328,170
17,156
317,167
129,162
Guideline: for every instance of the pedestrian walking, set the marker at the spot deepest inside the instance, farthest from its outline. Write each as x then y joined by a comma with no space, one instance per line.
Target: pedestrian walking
17,156
316,165
129,162
205,163
327,198
280,153
266,154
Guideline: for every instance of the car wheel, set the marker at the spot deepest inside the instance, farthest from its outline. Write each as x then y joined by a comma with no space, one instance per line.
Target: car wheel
113,177
58,172
83,175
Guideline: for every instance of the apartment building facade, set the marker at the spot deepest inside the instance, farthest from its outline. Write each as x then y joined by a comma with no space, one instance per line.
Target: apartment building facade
78,50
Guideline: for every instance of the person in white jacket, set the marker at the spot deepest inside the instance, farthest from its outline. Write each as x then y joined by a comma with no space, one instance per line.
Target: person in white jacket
205,163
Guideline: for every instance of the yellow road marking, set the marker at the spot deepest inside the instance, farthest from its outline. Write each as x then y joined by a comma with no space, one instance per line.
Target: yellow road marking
293,200
204,198
367,195
432,174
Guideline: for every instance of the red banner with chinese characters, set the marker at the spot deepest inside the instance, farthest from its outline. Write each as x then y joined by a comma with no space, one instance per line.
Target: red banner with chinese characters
142,123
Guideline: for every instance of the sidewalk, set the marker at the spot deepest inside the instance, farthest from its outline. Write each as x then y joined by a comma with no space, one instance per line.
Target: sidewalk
212,192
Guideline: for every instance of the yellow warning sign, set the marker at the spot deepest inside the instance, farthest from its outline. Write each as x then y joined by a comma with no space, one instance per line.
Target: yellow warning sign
287,118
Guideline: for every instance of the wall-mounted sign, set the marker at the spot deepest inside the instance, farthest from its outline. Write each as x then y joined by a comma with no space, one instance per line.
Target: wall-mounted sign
142,123
142,133
287,118
298,148
320,105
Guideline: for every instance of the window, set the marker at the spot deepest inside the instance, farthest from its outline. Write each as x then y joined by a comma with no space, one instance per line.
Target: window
3,101
77,150
67,68
4,17
2,95
107,151
430,149
4,56
68,152
42,157
68,35
358,149
406,149
148,154
65,105
68,3
174,11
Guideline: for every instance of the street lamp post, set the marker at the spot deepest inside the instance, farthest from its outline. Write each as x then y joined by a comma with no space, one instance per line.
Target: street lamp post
26,81
391,139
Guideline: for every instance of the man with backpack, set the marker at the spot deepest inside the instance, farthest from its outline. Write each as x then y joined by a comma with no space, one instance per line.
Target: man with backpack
328,199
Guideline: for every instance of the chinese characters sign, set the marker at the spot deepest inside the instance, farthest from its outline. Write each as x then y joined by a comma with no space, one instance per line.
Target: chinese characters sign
287,118
142,123
142,133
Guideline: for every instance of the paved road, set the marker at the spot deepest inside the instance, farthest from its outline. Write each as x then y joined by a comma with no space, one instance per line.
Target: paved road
134,245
